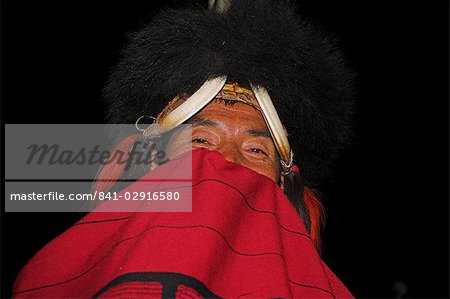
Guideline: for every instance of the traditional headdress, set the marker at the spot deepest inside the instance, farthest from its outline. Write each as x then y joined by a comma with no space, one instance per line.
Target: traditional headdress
296,75
173,68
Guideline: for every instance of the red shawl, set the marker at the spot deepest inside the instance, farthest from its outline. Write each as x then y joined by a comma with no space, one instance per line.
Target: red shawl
243,239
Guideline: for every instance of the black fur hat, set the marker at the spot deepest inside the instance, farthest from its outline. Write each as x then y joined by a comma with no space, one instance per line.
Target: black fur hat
260,41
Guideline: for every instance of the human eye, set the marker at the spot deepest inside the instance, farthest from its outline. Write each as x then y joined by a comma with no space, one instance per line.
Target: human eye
258,151
257,148
200,140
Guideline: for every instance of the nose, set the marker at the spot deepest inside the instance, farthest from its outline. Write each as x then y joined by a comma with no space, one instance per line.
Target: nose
230,152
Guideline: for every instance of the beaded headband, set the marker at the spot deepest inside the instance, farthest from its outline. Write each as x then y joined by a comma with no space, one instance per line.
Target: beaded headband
184,106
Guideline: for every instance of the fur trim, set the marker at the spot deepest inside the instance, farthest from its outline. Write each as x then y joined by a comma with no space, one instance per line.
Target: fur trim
260,41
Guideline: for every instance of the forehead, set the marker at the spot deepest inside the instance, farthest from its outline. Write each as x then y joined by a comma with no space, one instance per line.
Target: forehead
232,111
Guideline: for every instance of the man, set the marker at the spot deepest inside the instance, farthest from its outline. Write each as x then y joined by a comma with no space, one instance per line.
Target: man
258,86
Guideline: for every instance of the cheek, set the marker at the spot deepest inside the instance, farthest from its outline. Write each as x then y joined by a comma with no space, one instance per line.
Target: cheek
179,143
268,169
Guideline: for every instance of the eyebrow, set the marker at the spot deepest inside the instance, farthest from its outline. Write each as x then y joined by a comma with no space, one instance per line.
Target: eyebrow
259,133
198,121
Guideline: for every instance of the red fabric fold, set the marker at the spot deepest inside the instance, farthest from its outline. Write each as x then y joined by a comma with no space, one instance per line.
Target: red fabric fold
243,238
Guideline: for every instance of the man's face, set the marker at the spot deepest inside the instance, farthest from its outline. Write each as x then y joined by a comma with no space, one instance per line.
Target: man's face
239,133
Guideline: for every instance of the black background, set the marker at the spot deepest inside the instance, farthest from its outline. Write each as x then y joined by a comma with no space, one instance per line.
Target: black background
387,205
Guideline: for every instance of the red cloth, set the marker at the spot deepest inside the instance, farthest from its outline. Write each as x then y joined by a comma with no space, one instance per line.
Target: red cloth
243,238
